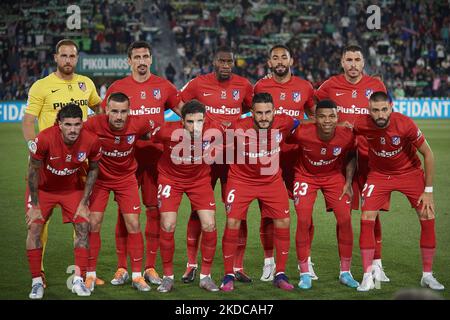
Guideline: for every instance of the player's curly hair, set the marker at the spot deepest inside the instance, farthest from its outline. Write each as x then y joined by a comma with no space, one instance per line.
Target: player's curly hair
326,104
193,106
71,110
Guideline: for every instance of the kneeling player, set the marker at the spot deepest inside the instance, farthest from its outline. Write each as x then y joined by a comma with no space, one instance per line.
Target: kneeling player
394,166
54,178
182,169
324,150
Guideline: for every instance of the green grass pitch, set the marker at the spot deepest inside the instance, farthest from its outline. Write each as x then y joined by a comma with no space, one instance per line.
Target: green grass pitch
401,254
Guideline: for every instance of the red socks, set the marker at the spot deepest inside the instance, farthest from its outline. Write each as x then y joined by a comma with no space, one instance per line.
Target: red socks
266,236
167,249
229,245
302,238
194,230
345,238
135,247
81,261
34,261
378,238
121,242
282,243
242,244
367,244
94,248
427,244
152,228
208,248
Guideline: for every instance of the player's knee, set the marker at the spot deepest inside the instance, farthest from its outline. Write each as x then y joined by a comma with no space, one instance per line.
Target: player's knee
233,223
35,230
168,226
208,226
282,223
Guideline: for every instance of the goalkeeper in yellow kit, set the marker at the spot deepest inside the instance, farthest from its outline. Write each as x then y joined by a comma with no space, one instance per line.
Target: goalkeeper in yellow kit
48,95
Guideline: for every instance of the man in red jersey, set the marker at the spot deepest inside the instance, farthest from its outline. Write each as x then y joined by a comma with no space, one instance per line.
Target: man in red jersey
325,150
225,95
255,174
184,168
292,96
351,91
118,133
394,140
149,96
57,156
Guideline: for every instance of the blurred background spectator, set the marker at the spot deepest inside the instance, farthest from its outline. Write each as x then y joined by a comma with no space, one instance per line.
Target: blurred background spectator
410,51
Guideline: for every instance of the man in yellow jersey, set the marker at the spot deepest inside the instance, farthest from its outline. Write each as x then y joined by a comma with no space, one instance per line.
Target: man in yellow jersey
48,95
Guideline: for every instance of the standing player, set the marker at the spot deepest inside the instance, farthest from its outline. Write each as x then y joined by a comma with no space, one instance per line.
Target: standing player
325,149
225,95
149,96
351,91
48,95
394,140
57,156
118,133
254,175
182,169
292,96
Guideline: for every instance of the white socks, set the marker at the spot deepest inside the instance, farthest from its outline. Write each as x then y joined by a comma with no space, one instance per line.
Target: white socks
36,280
270,260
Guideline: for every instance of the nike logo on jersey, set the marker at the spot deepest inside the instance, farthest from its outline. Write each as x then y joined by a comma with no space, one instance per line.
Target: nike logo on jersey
286,211
207,94
212,204
348,202
136,207
53,158
339,94
226,257
53,91
284,252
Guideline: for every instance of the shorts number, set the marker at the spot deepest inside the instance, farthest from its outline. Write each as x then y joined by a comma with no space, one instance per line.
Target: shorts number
230,197
370,187
164,191
303,188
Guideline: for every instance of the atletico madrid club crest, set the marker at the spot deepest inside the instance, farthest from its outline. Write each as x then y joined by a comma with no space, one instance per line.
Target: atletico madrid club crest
368,93
81,156
296,96
82,86
396,140
130,139
337,151
157,94
235,94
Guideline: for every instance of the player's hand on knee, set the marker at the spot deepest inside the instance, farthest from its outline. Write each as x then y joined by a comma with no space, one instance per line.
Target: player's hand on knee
82,212
33,214
427,202
347,190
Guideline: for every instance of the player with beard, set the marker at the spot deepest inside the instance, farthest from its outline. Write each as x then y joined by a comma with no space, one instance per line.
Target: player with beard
351,92
393,141
292,96
49,95
226,96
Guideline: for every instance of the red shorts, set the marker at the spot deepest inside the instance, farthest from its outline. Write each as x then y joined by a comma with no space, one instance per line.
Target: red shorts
126,196
147,178
67,200
305,193
273,198
219,171
377,190
199,192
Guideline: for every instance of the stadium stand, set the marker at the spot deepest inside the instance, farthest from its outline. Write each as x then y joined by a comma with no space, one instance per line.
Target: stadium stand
410,52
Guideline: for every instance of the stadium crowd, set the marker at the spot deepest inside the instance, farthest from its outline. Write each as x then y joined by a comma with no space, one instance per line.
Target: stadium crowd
410,51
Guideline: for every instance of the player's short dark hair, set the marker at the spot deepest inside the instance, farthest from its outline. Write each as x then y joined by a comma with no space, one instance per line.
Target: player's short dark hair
70,110
65,42
193,106
262,97
118,97
326,104
138,45
225,49
352,48
280,46
379,96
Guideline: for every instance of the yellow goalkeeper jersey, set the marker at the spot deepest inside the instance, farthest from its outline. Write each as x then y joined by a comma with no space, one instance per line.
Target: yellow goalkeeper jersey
48,95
